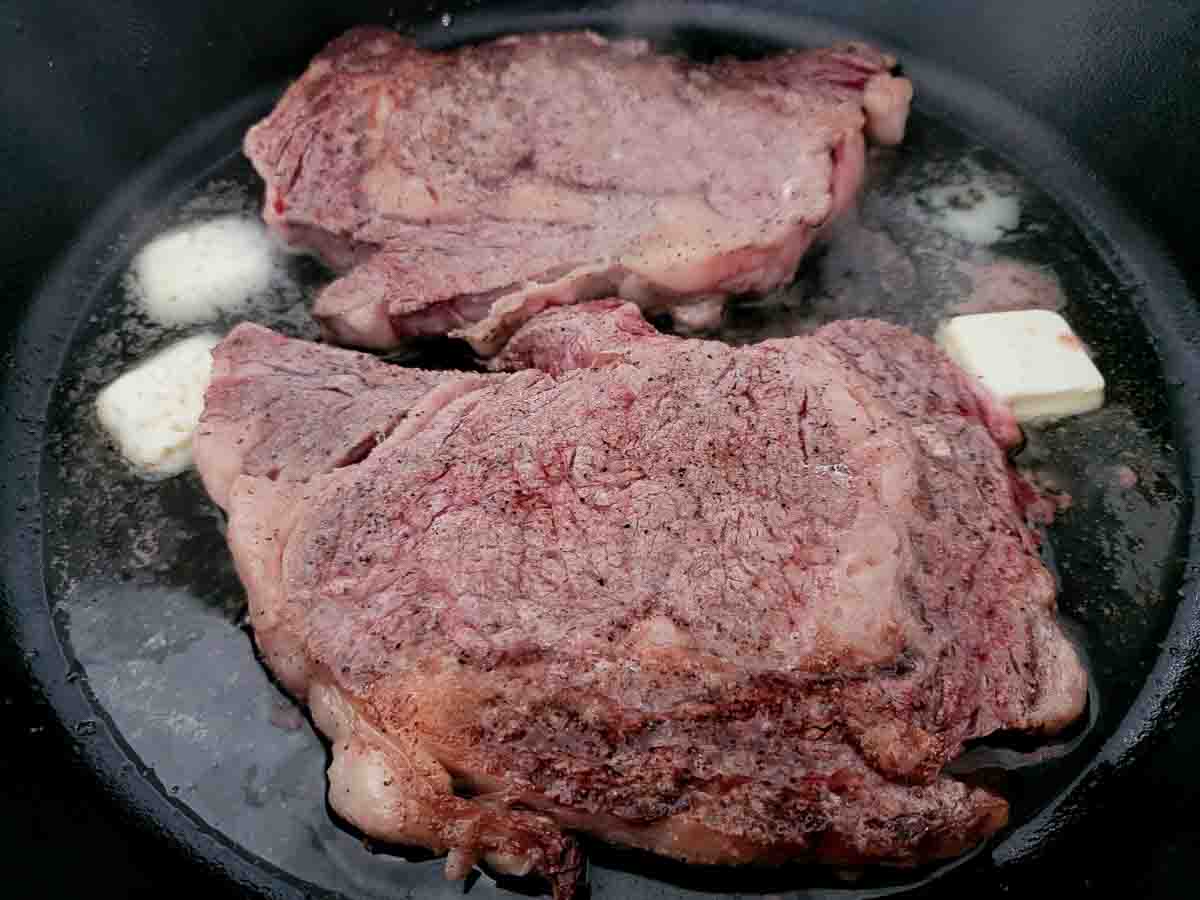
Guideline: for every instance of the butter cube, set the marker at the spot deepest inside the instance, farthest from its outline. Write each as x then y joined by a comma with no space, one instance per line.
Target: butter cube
152,410
194,274
1029,359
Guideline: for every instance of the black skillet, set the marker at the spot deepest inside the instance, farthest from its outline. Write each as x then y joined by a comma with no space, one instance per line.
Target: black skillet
113,114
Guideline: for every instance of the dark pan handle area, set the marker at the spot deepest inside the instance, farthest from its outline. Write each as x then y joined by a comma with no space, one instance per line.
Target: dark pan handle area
92,92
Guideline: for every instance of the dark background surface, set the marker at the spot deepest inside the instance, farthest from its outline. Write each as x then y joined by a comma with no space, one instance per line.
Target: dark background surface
67,66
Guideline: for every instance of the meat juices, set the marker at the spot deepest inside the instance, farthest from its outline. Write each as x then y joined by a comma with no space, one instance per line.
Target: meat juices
729,605
464,191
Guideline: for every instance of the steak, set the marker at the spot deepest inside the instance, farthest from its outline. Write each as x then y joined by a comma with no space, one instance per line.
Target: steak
462,192
730,605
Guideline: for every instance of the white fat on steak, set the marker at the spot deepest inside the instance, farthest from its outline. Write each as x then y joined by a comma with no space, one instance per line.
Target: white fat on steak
151,411
1028,359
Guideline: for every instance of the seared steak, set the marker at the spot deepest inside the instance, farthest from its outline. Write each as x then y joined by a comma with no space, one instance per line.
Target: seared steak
465,191
730,605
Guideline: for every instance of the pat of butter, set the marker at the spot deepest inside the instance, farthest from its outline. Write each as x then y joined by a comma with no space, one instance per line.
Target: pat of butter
152,410
1029,359
196,273
976,212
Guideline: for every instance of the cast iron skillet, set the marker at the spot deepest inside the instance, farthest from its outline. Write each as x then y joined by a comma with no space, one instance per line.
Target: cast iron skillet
1082,66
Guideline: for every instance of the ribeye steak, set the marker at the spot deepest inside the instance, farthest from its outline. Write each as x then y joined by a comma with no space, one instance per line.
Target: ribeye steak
730,605
464,191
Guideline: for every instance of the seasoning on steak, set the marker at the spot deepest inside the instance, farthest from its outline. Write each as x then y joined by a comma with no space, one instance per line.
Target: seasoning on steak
729,605
464,191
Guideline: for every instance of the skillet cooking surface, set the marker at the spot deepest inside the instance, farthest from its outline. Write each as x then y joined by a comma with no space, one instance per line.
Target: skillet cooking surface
166,697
